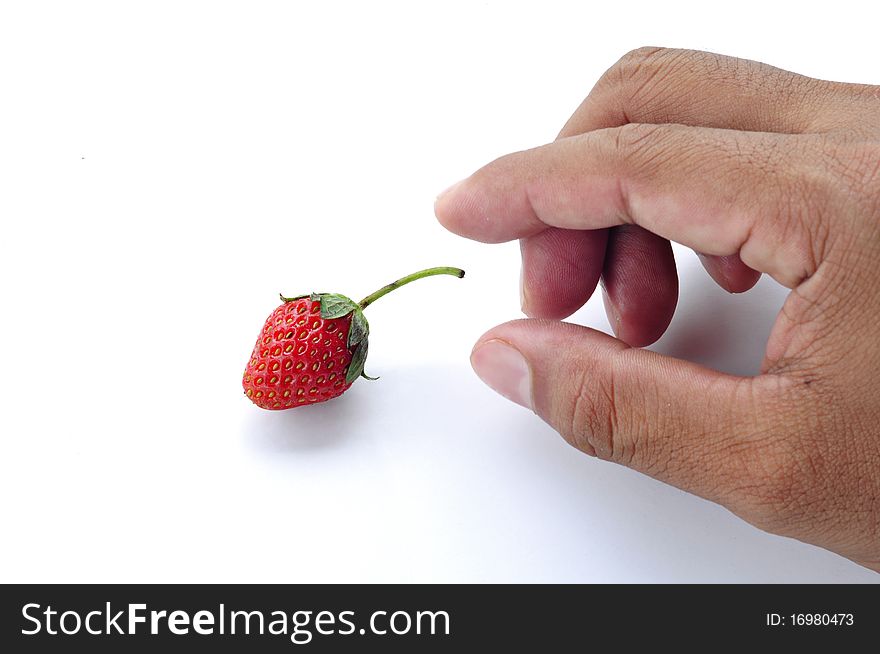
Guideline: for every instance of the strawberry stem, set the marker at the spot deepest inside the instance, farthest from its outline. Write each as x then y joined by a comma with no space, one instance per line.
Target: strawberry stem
403,281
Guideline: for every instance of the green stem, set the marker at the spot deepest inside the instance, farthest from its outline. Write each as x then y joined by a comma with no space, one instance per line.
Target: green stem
403,281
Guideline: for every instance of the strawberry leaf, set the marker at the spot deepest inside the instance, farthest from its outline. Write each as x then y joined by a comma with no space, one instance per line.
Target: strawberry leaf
336,306
358,359
359,329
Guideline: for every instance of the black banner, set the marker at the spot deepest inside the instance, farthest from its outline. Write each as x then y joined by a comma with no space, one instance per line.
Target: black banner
277,618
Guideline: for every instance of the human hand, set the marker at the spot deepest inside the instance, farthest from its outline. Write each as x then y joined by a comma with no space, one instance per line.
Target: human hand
759,170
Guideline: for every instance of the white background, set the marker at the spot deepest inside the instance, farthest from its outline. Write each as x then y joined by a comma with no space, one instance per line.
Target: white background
166,168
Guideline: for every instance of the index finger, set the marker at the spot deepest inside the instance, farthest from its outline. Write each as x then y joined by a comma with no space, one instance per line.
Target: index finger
708,189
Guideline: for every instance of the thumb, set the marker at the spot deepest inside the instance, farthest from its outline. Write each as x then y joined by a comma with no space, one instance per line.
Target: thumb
682,423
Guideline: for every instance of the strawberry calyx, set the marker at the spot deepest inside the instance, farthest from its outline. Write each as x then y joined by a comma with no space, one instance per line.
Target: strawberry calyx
334,305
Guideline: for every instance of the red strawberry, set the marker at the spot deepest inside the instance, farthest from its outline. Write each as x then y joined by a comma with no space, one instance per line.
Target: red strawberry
313,347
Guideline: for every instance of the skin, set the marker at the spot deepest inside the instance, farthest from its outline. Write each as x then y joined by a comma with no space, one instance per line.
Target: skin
760,170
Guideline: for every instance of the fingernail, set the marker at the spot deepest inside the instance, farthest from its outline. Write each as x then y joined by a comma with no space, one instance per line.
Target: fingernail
523,300
612,313
522,293
503,369
446,192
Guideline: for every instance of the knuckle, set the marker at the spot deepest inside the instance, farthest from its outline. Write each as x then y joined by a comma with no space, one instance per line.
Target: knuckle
816,311
868,94
803,97
590,425
856,109
641,150
794,210
633,136
802,219
593,420
638,70
839,191
639,64
635,60
857,164
636,144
